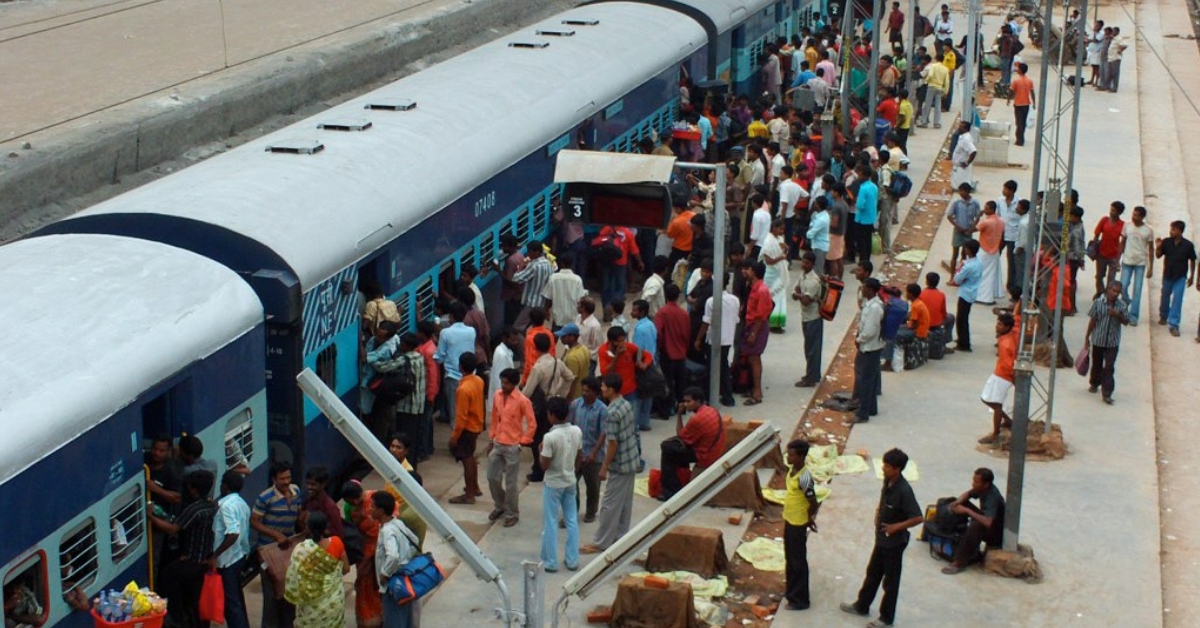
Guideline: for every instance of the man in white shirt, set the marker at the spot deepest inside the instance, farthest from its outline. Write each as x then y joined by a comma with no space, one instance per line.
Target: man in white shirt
730,305
964,155
1137,240
777,161
1019,248
760,223
589,328
231,536
563,292
503,358
559,456
652,290
397,545
1006,207
943,25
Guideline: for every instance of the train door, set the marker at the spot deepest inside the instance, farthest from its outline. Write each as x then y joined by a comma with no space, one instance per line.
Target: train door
285,405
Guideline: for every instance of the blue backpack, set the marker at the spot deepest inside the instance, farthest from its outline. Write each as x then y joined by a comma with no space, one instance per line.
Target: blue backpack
900,186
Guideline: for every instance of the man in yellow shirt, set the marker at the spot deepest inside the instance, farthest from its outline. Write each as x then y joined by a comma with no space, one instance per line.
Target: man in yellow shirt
758,128
937,78
799,516
950,60
904,120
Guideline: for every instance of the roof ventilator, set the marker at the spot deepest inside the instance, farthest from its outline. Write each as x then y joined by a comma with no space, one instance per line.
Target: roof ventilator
297,147
556,33
529,44
392,104
579,22
354,124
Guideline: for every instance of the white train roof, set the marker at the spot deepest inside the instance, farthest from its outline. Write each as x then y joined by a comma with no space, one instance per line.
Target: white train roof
726,14
476,115
93,321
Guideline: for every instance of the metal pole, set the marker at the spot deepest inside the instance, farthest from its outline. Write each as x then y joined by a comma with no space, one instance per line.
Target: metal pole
535,594
971,49
909,52
873,99
719,215
1023,373
847,52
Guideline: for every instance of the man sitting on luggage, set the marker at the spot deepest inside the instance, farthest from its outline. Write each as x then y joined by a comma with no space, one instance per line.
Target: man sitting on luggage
701,441
986,521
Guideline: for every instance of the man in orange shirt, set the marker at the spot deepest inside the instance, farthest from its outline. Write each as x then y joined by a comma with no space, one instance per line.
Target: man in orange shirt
468,423
754,332
621,357
991,238
427,335
537,327
680,231
1022,96
915,331
935,301
995,391
513,425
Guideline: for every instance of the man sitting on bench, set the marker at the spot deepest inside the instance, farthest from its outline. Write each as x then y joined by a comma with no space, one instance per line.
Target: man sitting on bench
986,521
701,441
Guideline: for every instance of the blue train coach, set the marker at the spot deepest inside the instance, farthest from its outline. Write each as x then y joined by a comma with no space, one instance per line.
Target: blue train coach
410,182
106,342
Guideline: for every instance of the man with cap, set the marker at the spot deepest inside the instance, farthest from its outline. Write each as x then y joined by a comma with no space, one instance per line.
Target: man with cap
576,356
869,343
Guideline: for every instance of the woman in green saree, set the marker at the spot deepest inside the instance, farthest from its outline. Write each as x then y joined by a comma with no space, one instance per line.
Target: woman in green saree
314,578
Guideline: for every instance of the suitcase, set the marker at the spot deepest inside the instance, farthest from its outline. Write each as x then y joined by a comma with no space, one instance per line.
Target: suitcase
937,344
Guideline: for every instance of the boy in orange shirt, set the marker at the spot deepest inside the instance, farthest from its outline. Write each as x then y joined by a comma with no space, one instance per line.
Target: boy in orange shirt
468,423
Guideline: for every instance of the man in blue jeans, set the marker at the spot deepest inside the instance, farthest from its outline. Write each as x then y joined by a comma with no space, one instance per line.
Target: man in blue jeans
559,457
231,532
1136,262
1179,272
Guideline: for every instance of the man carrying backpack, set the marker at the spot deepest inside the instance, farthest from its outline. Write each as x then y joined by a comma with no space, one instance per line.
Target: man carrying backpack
615,248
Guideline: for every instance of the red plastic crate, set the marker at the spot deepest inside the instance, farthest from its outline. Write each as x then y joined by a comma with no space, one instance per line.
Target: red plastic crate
146,621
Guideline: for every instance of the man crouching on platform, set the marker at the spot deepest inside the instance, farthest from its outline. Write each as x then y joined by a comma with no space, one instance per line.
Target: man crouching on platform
987,520
701,440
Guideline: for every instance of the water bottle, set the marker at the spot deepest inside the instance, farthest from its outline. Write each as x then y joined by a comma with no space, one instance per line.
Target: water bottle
105,608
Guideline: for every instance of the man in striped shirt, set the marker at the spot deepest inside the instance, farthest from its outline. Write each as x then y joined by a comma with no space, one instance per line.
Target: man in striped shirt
619,468
1105,318
274,517
533,279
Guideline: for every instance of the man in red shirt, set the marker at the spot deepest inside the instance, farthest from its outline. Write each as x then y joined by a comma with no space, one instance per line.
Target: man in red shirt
895,25
1023,99
995,391
624,358
674,330
754,333
935,300
1108,259
615,273
427,335
701,441
537,327
889,107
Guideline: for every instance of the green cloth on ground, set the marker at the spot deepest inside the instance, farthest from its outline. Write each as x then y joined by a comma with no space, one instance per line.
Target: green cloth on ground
916,256
763,553
910,472
641,486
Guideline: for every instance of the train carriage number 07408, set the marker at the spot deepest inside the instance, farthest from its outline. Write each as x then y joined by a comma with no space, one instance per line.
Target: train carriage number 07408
485,204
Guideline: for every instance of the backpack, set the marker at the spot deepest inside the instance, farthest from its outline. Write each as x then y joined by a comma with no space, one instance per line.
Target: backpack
1017,46
901,185
926,27
606,250
392,386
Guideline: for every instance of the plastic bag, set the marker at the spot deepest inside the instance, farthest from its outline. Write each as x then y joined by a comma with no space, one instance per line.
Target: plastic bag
212,599
1083,361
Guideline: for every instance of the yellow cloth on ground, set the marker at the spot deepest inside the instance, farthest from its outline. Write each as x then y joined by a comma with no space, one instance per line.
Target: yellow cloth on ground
910,472
916,256
763,553
701,586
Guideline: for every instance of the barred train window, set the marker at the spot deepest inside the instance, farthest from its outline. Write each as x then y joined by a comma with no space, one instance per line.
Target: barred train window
77,556
239,440
126,523
327,366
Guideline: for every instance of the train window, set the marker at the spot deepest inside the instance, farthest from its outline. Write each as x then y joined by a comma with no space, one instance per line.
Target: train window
25,585
425,299
541,216
402,307
524,233
126,524
467,257
327,366
77,556
487,248
239,440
